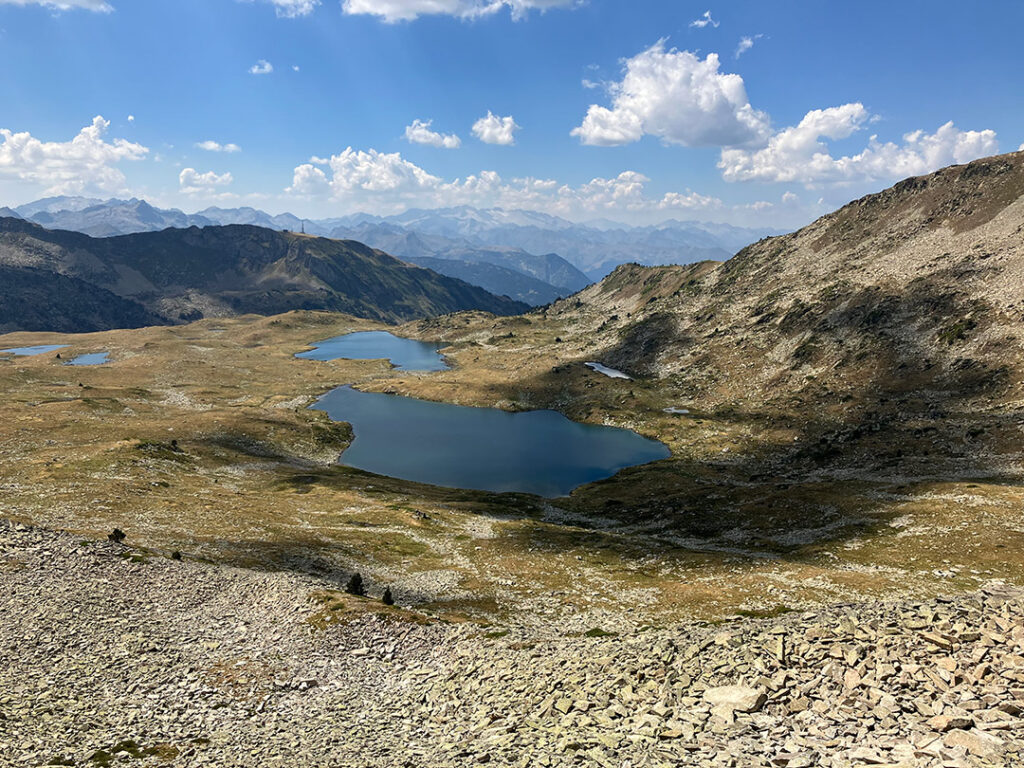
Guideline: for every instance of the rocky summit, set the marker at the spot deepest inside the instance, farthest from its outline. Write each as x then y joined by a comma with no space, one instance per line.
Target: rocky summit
114,655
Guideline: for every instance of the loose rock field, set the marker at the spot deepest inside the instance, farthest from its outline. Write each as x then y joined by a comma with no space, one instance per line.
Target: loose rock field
114,656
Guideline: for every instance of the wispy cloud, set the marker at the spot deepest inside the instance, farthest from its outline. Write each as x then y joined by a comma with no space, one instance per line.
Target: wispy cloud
745,44
261,67
98,6
392,11
704,21
291,9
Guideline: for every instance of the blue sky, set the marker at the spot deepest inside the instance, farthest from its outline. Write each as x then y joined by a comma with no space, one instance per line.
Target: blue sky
599,109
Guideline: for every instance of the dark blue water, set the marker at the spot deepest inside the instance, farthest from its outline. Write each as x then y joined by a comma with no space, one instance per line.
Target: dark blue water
95,358
539,452
404,354
40,349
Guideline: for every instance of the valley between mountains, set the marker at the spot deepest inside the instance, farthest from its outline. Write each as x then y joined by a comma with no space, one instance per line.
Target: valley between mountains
843,407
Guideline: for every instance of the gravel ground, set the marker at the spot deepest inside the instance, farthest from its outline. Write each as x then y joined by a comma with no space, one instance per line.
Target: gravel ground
109,656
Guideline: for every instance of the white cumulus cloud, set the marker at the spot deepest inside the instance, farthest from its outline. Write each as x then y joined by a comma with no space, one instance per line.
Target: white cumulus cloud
387,183
704,21
493,129
375,171
193,182
393,11
800,153
85,163
99,6
678,97
261,67
309,181
419,133
688,201
214,146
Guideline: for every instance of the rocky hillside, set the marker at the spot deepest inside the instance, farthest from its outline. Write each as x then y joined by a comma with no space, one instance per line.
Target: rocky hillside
39,300
179,275
901,312
116,654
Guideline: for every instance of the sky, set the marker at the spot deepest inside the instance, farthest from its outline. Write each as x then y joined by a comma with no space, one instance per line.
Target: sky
751,113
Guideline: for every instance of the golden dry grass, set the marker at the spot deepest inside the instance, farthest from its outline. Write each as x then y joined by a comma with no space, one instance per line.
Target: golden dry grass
250,480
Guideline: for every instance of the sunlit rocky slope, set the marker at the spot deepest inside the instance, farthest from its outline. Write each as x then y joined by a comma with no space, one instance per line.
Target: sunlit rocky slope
895,323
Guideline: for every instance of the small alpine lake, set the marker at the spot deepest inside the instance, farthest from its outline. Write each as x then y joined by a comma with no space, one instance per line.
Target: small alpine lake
93,358
39,349
404,354
538,452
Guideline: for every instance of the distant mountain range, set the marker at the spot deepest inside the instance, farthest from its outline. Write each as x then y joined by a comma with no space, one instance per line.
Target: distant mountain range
67,281
496,279
563,255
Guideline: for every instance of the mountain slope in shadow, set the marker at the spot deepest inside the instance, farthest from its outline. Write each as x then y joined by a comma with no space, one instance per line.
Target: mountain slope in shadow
179,275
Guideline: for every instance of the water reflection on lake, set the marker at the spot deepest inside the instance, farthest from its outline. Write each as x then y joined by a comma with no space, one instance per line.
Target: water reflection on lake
39,349
539,452
404,354
94,358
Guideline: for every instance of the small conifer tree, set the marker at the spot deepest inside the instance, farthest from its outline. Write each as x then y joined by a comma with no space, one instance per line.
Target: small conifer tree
355,585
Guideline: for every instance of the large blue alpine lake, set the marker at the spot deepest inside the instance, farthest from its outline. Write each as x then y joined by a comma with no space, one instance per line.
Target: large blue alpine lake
404,354
487,449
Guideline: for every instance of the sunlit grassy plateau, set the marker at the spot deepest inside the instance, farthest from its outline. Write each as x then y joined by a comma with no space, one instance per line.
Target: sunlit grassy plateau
198,439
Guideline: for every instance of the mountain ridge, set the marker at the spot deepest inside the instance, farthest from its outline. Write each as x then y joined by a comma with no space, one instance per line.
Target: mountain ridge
178,275
591,249
494,278
895,322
